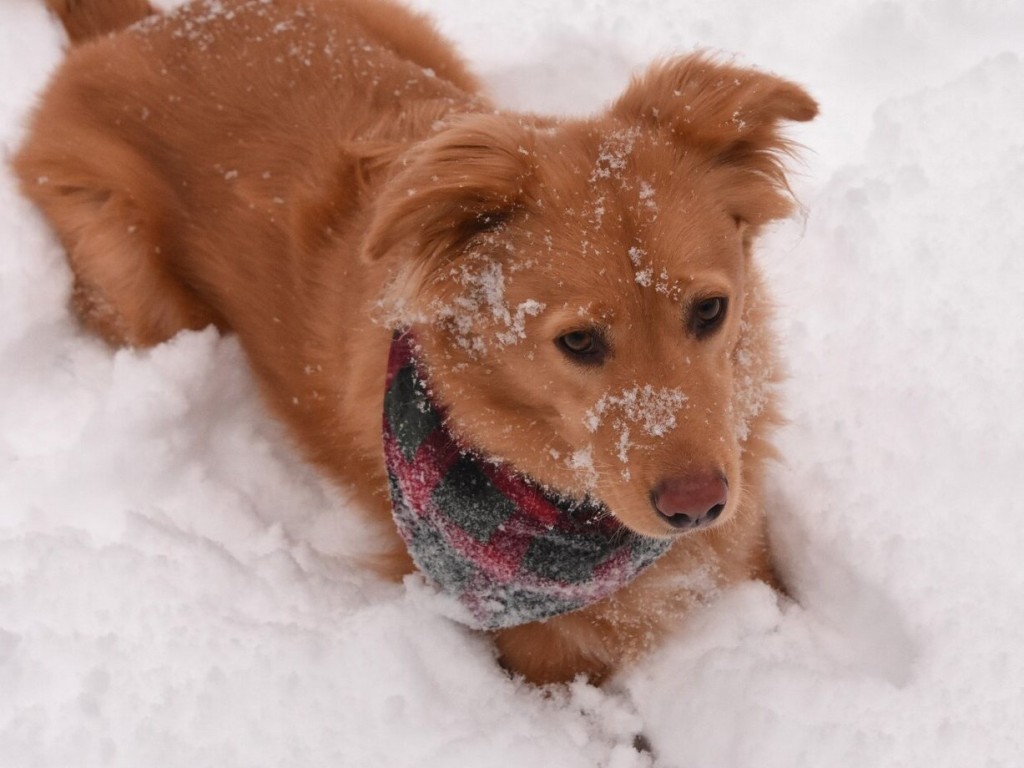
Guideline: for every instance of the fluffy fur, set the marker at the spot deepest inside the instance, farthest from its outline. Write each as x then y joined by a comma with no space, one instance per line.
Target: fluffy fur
310,174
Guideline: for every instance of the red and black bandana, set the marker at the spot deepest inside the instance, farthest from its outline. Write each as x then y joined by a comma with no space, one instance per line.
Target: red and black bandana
506,549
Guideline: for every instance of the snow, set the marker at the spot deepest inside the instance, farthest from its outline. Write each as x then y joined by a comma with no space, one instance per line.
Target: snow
177,588
653,409
482,303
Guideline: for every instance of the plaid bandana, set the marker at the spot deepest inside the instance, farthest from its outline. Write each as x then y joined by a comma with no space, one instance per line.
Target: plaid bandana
508,551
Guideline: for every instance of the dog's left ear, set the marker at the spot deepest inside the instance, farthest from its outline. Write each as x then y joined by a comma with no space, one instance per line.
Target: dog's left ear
467,179
730,114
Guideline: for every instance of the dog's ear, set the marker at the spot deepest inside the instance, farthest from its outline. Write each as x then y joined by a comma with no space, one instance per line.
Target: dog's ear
731,114
466,180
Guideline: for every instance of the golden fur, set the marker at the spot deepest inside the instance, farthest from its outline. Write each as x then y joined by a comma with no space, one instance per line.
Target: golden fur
311,173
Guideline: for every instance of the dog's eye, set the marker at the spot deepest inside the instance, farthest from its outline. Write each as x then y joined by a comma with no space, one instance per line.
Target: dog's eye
708,315
586,347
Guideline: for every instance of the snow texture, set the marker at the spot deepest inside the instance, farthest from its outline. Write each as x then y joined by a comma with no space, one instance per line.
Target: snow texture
653,410
481,304
177,589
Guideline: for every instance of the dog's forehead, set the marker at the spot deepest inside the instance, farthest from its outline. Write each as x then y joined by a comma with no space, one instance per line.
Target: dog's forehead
577,164
622,207
624,181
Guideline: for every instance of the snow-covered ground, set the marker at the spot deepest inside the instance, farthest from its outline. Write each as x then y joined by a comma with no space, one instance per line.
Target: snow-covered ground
176,589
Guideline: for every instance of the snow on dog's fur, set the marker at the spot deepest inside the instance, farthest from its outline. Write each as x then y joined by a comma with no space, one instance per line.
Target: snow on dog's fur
312,174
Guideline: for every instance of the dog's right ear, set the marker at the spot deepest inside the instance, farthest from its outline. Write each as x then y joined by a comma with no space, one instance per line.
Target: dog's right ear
731,115
466,180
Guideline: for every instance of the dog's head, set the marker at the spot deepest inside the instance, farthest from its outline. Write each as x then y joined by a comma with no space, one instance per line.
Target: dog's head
583,291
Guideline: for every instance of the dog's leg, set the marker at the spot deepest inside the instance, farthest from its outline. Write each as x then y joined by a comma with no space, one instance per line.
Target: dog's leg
116,221
555,651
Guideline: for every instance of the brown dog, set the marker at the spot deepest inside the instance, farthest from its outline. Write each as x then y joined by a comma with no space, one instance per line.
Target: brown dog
312,174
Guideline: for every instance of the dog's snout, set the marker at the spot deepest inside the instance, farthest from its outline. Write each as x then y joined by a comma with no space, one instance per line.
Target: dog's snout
691,501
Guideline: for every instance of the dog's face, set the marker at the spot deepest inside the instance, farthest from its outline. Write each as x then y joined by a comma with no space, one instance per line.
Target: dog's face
580,290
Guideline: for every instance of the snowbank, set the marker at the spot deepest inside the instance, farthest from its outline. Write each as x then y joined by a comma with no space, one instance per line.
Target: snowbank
176,588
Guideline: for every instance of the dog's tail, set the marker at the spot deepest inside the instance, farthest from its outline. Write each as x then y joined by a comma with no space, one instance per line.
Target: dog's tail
85,19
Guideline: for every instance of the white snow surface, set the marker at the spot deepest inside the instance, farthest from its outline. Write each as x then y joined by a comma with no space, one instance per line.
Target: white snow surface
177,588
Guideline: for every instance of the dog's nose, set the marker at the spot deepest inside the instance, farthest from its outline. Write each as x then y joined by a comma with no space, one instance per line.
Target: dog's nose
691,501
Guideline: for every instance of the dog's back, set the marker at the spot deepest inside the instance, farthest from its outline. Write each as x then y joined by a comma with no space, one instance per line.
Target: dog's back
85,19
245,132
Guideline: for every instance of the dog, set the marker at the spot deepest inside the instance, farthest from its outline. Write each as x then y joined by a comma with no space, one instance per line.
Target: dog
315,175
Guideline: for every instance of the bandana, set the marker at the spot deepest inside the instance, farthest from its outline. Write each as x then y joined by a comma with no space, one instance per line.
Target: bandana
506,549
